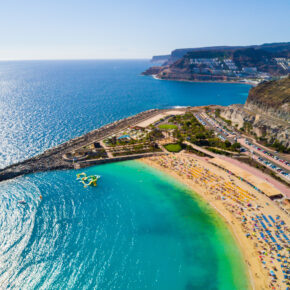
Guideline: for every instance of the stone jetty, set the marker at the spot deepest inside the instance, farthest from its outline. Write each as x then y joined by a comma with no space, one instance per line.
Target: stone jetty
52,159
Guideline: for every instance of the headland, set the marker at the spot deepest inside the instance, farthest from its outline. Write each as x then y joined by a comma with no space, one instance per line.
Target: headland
240,64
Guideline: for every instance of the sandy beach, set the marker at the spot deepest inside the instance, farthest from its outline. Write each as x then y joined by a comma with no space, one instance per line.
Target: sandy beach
256,222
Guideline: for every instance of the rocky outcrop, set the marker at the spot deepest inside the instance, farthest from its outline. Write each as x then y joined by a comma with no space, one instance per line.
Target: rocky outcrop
271,98
225,63
266,112
181,52
259,123
160,58
182,70
154,70
237,115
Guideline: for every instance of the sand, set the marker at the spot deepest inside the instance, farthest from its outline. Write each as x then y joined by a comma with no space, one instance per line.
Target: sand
251,247
156,118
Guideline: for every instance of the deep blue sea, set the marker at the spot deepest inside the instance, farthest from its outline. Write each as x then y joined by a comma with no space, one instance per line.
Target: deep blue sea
44,103
138,229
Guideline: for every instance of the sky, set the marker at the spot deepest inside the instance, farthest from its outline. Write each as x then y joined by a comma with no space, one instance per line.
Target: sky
93,29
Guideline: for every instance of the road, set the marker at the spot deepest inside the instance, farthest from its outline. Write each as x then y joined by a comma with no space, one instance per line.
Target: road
232,136
258,173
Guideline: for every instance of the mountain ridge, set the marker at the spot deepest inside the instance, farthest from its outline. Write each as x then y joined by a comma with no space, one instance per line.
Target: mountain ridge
180,52
225,63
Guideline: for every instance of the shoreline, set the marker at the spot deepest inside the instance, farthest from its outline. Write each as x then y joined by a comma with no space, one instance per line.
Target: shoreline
53,158
200,81
256,276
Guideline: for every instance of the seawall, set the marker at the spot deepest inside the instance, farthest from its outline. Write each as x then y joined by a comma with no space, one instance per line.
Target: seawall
52,159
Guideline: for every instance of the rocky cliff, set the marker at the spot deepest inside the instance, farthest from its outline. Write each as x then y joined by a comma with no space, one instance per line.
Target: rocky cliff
160,58
266,112
271,98
280,47
225,63
153,70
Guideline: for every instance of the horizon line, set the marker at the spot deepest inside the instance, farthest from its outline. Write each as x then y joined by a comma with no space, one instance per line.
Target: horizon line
55,59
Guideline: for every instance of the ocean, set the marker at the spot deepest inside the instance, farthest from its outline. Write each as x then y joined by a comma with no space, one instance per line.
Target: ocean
138,229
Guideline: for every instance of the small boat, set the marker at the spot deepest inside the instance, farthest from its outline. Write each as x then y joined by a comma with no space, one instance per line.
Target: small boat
22,201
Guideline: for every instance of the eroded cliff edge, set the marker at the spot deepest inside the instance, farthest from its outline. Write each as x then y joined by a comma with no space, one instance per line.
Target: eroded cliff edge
225,63
266,113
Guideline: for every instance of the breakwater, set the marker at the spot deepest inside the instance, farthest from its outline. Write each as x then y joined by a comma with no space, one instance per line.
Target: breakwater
87,163
52,159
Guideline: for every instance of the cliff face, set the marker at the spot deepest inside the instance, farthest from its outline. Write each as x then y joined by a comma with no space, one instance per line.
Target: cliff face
182,69
160,58
261,125
154,70
280,47
271,98
266,112
226,63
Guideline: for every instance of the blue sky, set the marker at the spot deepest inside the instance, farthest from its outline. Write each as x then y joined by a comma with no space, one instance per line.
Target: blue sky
68,29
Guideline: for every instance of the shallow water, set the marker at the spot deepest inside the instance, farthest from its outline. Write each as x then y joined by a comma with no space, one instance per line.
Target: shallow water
138,229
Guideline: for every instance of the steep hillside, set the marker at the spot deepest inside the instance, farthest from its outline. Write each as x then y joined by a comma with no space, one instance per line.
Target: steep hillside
266,113
271,97
270,47
227,63
160,58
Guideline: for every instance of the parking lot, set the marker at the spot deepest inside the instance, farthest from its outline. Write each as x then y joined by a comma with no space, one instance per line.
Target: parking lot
264,157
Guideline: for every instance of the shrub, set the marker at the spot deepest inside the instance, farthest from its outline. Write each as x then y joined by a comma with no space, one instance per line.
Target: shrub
167,126
174,147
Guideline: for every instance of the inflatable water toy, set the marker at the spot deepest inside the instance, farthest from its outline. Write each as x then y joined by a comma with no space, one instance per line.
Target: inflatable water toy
90,180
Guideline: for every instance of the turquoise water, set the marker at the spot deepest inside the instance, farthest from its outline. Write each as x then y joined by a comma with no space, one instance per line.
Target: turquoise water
138,229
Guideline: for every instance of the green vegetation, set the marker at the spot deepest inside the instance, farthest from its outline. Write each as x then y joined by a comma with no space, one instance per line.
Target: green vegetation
217,151
190,129
218,115
173,147
189,149
98,154
278,146
229,122
87,153
216,142
167,126
236,146
155,134
137,149
247,127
